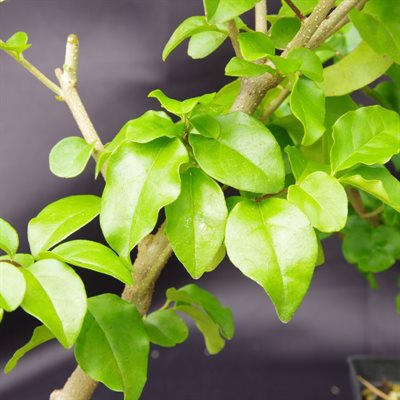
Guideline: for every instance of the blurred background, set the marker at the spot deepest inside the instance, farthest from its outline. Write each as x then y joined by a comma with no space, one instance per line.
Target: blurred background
121,44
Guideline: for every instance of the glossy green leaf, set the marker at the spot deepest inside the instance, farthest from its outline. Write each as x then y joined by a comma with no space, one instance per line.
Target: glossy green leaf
203,44
69,157
274,244
40,335
310,65
165,328
369,135
372,249
55,295
358,69
60,219
225,97
284,65
113,346
323,199
255,45
141,179
196,222
384,17
229,9
209,329
239,67
245,156
377,181
93,256
206,125
283,31
210,6
17,43
12,286
177,107
9,241
308,105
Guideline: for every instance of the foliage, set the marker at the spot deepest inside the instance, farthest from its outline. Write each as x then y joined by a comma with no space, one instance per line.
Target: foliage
309,162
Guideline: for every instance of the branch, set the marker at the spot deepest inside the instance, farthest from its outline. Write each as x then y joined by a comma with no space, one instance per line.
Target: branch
261,16
233,35
373,388
293,6
358,206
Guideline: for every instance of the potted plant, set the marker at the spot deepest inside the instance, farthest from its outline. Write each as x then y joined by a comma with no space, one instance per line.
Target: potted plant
263,170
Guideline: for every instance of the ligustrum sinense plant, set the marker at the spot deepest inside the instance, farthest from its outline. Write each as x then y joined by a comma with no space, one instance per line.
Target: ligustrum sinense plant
263,170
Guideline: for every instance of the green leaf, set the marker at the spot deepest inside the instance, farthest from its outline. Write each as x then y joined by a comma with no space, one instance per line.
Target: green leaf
305,6
323,199
358,69
9,241
206,125
55,295
180,108
310,64
229,9
22,259
238,67
308,105
141,179
203,44
391,217
210,6
12,286
245,156
40,335
209,329
17,43
284,65
69,157
255,45
196,222
113,346
1,314
60,219
149,126
283,31
377,181
187,28
372,249
274,244
225,97
165,328
93,256
369,135
396,161
384,17
193,294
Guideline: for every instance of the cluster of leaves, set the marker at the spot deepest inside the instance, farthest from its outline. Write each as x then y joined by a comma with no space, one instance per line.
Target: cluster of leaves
265,189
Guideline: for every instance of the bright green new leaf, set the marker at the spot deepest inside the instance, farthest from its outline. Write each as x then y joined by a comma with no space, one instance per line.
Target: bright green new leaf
206,125
283,31
358,69
210,6
12,286
310,64
60,219
1,314
177,107
255,45
307,102
372,249
165,328
209,329
229,9
238,67
284,65
369,135
149,126
40,335
17,43
196,222
9,241
323,199
141,179
384,17
225,97
22,259
69,157
204,43
305,6
377,181
245,156
113,345
55,295
274,244
93,256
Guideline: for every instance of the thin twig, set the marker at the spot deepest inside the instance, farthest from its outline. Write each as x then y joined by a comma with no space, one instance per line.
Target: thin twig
373,388
275,103
233,36
295,9
358,206
261,16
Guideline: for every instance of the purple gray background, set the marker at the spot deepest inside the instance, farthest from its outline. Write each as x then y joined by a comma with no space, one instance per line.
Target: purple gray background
121,44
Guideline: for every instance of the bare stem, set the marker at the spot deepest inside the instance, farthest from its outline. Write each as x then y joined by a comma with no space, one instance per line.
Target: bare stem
358,206
295,9
233,35
373,388
261,16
